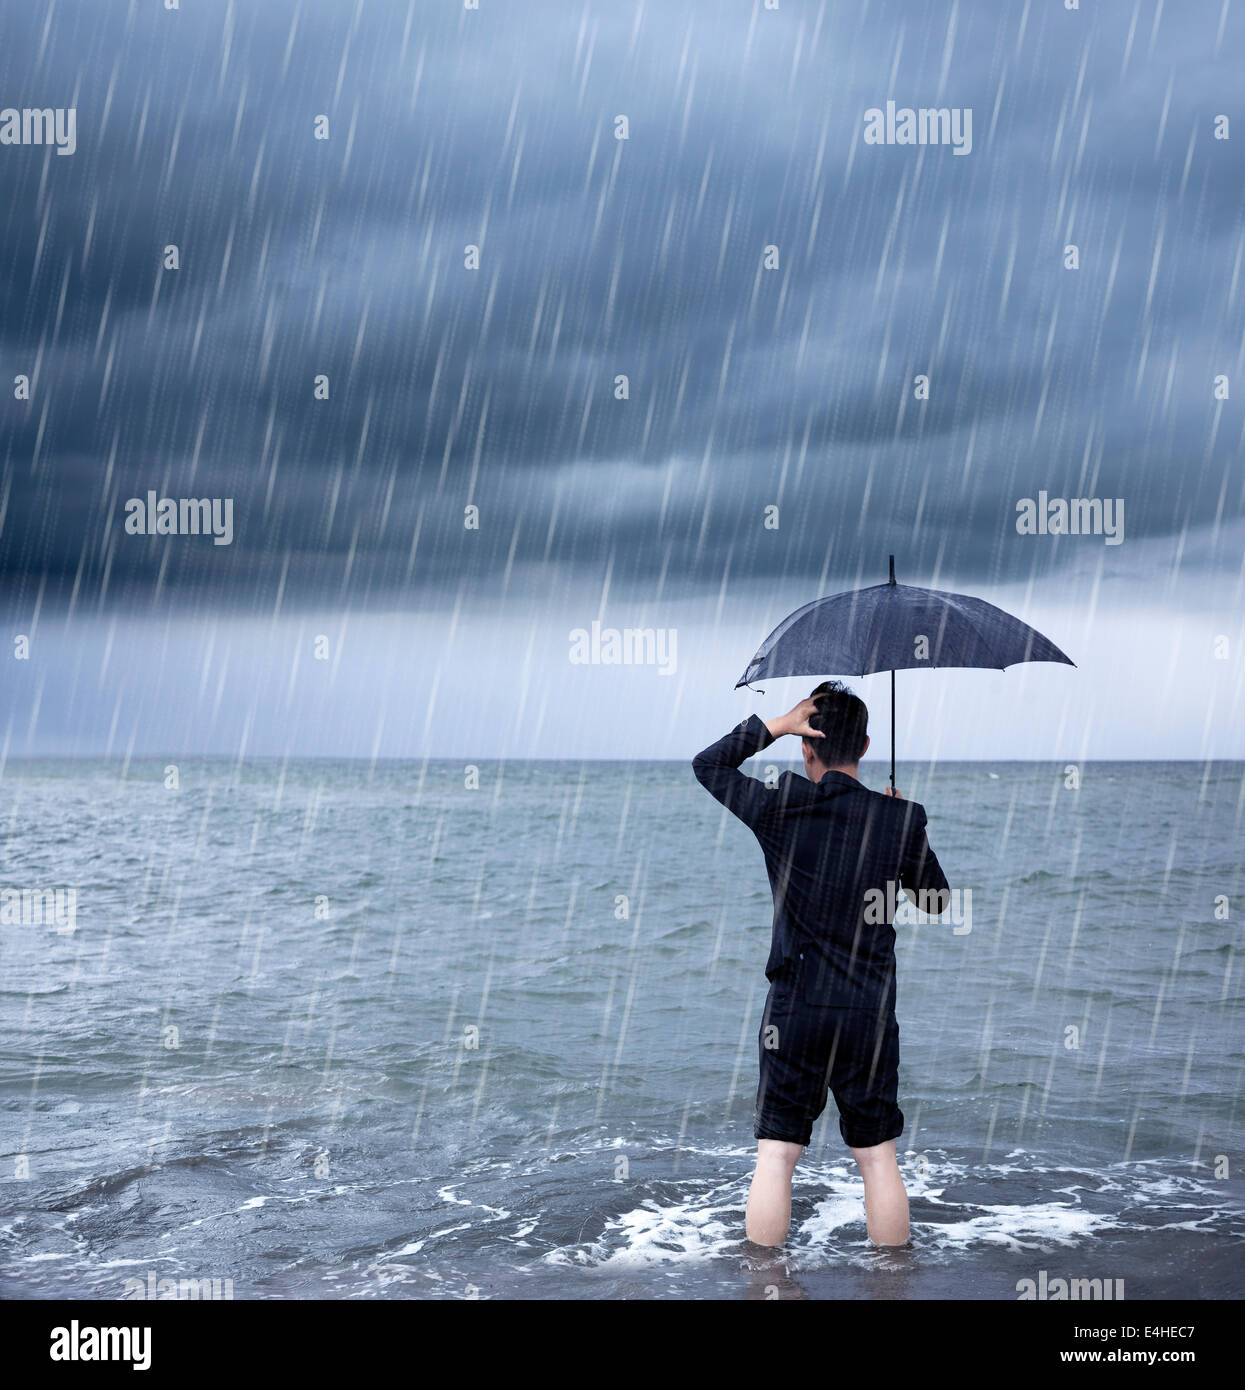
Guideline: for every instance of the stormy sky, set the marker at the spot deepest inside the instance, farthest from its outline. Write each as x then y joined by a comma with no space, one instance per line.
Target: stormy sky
757,378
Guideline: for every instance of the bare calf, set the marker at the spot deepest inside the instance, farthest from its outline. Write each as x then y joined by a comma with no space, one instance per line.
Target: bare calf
769,1198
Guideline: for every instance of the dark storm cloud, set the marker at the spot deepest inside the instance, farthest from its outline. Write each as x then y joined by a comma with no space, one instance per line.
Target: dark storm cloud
599,257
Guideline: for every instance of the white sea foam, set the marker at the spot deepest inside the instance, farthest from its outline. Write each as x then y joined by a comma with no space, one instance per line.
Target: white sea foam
700,1227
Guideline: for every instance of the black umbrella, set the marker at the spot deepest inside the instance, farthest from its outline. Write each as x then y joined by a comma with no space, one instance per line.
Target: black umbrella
896,627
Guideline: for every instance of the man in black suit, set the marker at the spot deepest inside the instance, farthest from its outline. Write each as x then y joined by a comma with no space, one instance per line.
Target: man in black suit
837,855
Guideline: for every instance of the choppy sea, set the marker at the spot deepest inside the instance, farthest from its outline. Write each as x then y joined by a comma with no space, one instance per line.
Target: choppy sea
329,1029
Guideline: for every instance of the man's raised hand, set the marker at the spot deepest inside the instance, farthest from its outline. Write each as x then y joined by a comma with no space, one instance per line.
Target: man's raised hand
795,721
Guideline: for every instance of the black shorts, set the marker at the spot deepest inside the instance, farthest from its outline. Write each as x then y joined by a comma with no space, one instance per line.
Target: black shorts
806,1049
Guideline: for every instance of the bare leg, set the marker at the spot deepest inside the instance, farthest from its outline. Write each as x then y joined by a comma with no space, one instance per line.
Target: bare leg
769,1197
886,1202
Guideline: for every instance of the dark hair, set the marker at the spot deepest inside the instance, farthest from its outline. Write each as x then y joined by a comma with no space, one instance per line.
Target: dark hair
843,719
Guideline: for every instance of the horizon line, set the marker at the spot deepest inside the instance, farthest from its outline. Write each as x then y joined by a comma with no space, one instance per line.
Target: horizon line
543,758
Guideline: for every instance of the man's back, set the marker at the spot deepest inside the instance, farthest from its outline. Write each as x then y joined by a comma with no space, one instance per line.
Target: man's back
837,855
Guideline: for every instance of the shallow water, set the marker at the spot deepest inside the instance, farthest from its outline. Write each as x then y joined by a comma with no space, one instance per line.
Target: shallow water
465,1072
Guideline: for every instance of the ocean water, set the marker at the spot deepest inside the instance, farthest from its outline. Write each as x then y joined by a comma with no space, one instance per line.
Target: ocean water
335,1030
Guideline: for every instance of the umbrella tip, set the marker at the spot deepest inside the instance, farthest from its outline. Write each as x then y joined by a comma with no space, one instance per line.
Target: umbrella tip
892,578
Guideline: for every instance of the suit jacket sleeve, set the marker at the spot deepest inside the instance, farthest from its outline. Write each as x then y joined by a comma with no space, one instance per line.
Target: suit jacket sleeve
920,869
717,770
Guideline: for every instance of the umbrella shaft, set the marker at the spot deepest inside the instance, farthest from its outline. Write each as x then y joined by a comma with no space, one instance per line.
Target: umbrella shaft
892,731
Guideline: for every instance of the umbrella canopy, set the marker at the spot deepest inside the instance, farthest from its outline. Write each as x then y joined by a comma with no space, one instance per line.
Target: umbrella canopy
896,627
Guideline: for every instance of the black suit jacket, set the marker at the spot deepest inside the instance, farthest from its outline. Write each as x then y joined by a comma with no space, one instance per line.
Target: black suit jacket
837,855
